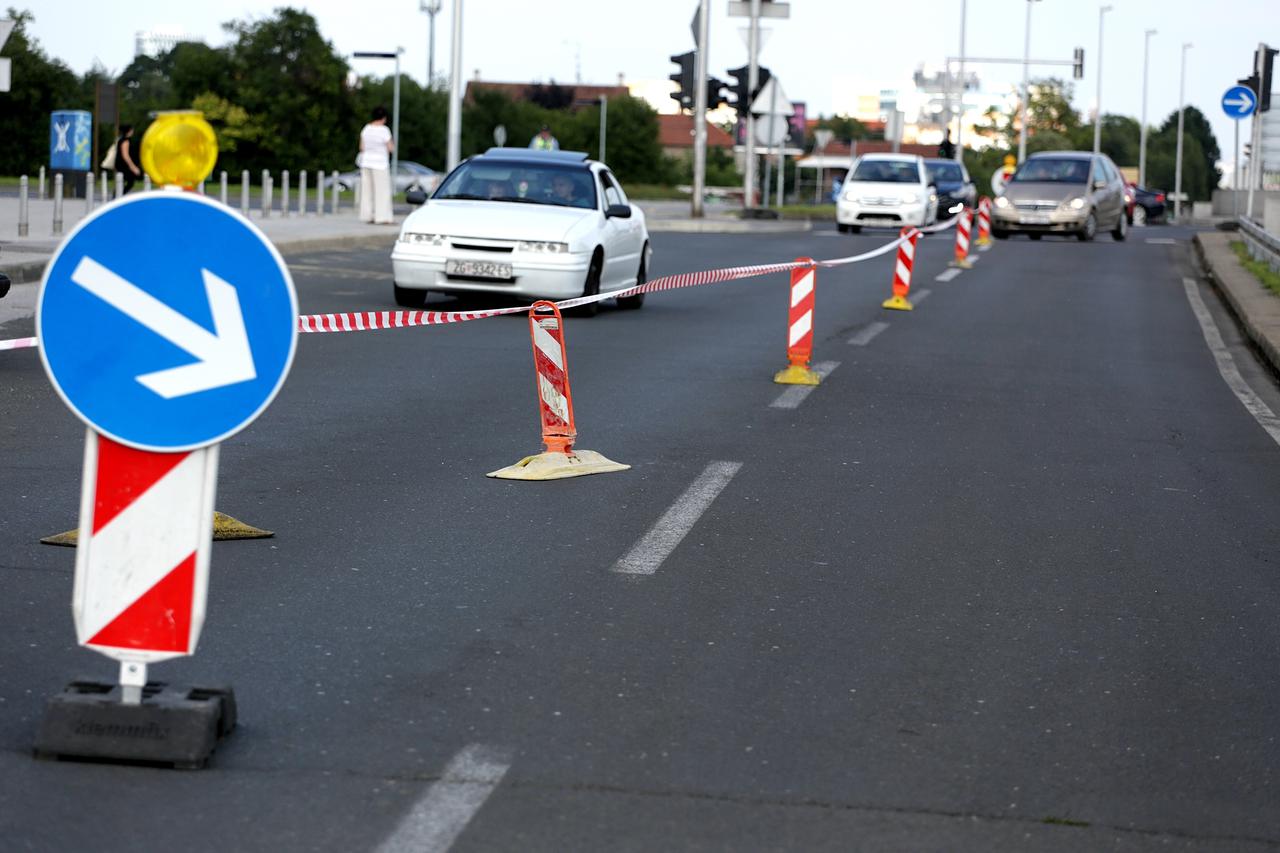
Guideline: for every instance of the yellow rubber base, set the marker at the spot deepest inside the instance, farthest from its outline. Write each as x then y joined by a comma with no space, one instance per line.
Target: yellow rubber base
983,241
797,375
897,303
558,466
966,264
224,527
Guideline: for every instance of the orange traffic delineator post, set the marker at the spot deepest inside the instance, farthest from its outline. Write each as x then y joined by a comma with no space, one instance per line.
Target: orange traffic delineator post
963,226
804,281
555,406
902,272
984,222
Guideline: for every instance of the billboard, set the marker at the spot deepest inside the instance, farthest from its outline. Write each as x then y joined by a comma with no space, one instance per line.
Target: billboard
70,140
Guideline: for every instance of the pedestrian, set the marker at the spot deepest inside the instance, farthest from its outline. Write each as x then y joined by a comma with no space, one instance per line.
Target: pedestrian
374,160
947,150
544,141
125,161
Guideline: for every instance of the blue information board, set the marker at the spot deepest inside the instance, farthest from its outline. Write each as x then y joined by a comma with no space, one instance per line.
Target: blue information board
70,140
167,321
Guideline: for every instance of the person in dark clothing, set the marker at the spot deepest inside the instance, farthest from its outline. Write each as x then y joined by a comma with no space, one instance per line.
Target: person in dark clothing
948,148
127,158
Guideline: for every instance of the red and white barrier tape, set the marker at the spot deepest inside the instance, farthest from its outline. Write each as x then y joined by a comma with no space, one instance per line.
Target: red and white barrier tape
367,321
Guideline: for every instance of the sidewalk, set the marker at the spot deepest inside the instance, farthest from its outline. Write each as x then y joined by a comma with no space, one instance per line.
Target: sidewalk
23,258
1256,308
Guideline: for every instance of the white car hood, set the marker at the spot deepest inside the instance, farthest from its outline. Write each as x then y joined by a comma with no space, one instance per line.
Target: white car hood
496,220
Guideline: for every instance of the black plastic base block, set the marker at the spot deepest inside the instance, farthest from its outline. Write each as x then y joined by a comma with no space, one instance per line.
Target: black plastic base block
172,726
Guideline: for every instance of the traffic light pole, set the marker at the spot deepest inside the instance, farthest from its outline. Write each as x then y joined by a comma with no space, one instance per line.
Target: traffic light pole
700,111
753,81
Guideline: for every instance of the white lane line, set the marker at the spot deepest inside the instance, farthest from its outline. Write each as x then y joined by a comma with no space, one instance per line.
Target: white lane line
649,553
868,334
796,394
444,811
1227,365
973,259
948,274
1162,241
986,248
919,296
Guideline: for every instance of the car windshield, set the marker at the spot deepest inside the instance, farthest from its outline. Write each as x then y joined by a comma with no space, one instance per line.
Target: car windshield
948,172
1052,170
529,183
887,172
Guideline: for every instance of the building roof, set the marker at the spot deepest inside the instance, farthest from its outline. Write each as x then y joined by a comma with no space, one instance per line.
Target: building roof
583,95
879,146
676,131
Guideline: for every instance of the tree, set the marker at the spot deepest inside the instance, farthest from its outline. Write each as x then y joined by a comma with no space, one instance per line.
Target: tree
550,96
40,85
846,128
1048,110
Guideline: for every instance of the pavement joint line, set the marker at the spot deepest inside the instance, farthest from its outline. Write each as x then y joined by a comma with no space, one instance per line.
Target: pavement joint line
443,812
948,274
796,394
920,296
1161,241
868,334
647,555
1227,364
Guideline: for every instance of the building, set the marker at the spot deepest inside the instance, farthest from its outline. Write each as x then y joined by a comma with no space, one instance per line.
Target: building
675,135
159,42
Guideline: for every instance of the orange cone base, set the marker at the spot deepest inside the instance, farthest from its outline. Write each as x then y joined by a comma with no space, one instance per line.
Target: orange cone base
558,466
965,264
797,374
897,303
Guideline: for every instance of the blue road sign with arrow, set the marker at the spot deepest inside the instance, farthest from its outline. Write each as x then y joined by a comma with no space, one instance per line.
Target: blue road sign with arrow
167,321
1239,102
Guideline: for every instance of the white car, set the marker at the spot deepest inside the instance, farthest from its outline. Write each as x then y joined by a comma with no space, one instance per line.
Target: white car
532,224
886,190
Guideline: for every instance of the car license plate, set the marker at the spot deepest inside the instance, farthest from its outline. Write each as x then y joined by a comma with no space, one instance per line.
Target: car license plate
1034,219
478,269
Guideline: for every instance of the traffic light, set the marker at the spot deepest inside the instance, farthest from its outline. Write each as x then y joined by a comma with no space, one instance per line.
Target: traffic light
1264,93
742,93
716,94
1077,66
683,80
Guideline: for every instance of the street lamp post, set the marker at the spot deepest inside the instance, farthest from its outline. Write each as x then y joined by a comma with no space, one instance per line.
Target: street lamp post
455,92
1142,133
1097,121
1026,87
964,14
1177,171
395,105
432,8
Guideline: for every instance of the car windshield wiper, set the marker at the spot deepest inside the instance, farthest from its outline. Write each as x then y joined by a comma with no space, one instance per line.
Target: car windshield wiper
516,199
465,197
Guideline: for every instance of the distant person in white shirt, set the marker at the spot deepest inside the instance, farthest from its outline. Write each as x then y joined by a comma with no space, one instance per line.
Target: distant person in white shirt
376,146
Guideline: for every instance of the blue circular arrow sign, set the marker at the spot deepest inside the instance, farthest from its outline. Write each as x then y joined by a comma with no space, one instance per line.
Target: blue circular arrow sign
167,321
1239,102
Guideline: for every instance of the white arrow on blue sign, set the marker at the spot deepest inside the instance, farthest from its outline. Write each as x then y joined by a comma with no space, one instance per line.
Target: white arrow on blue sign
1239,102
167,321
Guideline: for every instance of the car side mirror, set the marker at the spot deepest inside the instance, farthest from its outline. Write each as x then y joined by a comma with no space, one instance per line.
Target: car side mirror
1099,185
618,211
4,284
416,195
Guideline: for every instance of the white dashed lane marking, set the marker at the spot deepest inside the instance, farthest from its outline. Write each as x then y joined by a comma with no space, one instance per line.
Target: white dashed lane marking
443,812
868,334
796,394
650,552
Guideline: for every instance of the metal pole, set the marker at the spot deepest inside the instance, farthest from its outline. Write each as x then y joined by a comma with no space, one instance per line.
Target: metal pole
24,207
284,193
604,123
88,193
302,193
1177,170
200,188
1026,87
768,162
266,194
244,192
431,51
222,195
395,141
334,178
1255,154
105,193
959,141
700,110
753,80
42,195
1142,133
119,185
320,192
146,181
57,204
782,168
455,93
1235,178
1097,121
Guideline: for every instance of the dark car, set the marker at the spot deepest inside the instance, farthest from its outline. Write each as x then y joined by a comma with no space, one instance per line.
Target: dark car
1148,205
955,190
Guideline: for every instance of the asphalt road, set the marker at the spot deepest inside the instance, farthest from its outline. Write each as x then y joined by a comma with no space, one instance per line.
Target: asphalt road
1005,581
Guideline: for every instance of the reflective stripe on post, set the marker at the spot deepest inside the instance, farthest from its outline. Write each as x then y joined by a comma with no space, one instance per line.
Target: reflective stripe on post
804,280
963,226
902,272
984,221
551,362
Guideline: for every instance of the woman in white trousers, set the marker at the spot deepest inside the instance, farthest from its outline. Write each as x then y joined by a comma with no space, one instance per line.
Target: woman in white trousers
376,146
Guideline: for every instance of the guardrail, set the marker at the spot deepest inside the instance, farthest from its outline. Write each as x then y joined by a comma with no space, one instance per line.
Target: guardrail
1262,245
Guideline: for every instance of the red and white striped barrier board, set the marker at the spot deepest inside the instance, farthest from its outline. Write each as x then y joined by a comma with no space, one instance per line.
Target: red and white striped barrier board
902,271
800,316
984,221
963,226
555,402
142,561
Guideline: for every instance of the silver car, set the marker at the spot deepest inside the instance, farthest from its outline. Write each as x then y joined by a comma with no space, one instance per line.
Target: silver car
1062,192
408,175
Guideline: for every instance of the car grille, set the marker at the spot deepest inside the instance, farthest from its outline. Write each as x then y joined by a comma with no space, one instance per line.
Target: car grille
478,244
1036,205
881,200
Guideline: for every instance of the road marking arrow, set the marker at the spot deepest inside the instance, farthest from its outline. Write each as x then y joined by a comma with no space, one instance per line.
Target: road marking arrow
223,357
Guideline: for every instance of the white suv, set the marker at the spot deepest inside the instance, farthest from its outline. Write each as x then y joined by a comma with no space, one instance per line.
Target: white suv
886,190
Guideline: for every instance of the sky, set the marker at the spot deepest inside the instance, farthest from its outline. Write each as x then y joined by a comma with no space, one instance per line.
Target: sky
827,51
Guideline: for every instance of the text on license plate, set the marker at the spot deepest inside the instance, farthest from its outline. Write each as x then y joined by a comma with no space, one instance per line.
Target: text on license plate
478,269
1035,219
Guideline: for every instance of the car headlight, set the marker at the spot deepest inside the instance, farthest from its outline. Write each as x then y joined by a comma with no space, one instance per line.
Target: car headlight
910,198
542,246
1077,204
1002,202
416,237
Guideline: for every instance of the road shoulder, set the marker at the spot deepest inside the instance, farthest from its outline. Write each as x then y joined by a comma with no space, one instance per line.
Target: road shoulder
1253,306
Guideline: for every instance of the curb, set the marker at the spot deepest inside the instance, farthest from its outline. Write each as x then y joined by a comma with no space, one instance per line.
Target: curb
1255,310
718,226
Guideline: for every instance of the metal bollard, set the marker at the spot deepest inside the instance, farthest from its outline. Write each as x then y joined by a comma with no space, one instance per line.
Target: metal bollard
244,192
302,193
57,204
222,195
146,182
284,192
106,193
320,193
42,195
88,193
24,207
334,176
267,183
200,189
120,184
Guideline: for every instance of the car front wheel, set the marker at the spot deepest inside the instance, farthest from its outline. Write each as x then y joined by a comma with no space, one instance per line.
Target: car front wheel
1122,228
1139,216
1089,229
591,286
409,297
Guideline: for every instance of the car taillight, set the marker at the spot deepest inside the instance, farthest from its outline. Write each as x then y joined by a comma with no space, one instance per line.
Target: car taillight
1160,197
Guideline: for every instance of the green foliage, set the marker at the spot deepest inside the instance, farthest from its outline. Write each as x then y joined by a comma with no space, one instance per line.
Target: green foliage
231,124
1266,276
40,86
846,128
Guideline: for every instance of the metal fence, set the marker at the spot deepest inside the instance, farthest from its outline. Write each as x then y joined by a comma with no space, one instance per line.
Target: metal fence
1262,246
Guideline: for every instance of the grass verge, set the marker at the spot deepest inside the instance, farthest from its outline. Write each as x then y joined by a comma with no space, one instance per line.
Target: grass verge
1270,278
